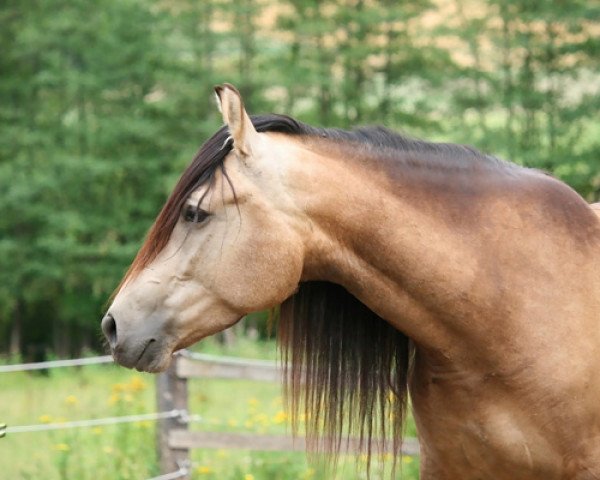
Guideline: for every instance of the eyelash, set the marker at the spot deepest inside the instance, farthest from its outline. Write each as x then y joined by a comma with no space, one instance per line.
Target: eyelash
194,215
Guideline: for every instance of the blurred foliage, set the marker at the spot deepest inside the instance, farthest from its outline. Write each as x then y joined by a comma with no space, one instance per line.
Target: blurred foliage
104,103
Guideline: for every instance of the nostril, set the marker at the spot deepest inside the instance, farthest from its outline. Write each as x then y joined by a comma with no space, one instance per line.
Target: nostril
109,327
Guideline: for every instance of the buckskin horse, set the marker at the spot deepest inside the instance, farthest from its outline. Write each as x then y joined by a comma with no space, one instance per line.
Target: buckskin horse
400,266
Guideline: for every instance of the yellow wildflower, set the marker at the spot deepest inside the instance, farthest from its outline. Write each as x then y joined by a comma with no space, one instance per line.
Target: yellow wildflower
280,417
114,398
232,423
253,402
222,453
97,430
118,387
45,418
248,476
62,447
204,470
406,459
310,472
137,384
71,400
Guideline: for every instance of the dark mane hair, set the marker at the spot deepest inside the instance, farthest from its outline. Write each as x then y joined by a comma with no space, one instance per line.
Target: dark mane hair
346,368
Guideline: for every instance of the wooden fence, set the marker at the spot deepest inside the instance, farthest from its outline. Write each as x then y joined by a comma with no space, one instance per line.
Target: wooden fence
174,439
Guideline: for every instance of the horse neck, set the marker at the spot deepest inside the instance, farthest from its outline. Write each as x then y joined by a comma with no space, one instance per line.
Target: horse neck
414,245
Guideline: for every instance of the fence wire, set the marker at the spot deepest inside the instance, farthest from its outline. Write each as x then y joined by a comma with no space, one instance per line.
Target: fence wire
181,473
206,357
95,422
75,362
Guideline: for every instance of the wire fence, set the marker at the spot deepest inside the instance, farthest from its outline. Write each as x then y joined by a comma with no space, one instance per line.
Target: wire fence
181,473
95,422
181,415
76,362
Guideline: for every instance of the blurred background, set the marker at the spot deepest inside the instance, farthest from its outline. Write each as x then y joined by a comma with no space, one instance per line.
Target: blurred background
103,104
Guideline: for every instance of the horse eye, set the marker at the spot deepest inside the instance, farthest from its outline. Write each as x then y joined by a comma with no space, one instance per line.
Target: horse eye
194,215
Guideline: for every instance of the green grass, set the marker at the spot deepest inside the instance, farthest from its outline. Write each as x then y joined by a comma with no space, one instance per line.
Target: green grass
128,451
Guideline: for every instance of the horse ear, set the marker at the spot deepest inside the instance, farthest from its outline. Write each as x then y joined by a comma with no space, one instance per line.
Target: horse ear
235,117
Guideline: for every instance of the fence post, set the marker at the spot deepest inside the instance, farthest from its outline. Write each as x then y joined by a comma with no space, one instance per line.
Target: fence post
171,393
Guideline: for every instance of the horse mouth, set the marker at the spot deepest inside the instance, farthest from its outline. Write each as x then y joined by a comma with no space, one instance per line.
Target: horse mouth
154,357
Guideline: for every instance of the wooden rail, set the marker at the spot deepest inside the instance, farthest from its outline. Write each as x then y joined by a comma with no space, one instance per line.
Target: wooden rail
175,440
208,366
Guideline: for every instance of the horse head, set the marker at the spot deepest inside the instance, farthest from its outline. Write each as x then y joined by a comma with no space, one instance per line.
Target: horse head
227,242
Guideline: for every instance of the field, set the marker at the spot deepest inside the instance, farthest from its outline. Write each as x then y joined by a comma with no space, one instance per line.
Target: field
127,451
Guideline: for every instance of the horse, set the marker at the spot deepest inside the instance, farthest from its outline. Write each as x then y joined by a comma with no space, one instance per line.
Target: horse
402,268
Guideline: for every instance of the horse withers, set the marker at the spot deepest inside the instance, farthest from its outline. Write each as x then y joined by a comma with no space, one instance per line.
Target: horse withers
400,266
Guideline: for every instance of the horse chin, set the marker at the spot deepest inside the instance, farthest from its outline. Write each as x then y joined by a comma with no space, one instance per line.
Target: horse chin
156,358
156,365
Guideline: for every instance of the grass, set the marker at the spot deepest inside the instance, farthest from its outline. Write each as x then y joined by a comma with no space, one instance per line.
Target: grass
127,451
